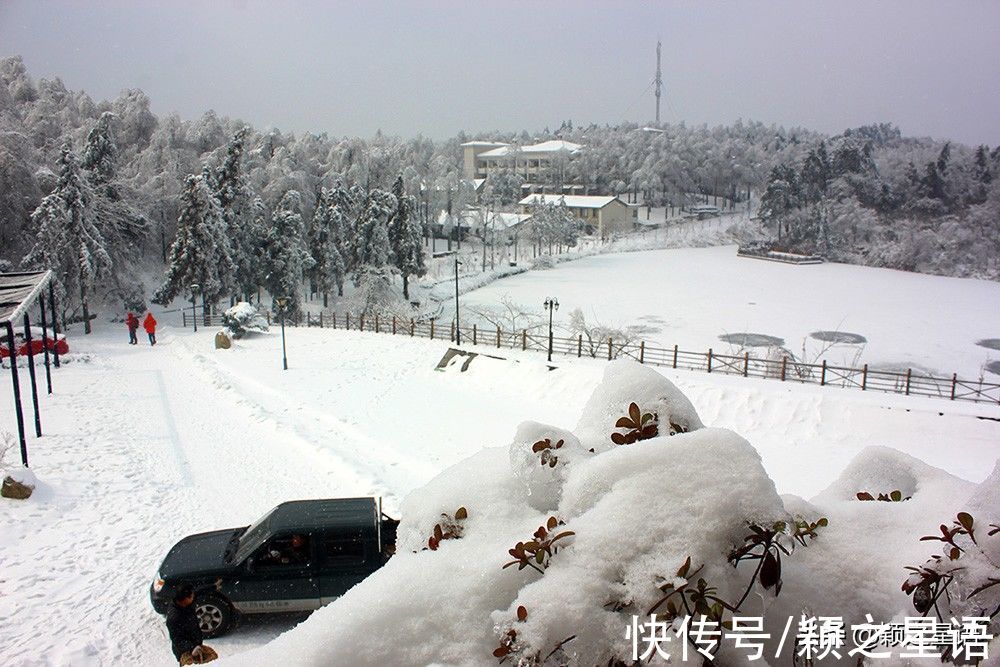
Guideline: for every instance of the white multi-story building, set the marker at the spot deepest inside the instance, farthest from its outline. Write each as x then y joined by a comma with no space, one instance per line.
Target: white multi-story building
542,165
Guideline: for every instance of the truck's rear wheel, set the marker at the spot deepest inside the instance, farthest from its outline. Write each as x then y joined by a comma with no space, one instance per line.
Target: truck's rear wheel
215,614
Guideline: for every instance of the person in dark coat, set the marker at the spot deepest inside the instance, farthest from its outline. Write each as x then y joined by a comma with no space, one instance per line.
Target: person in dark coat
149,324
132,322
182,623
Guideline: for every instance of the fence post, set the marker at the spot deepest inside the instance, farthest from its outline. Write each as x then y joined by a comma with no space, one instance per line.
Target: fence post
335,320
393,325
784,366
909,372
321,319
864,377
412,326
376,323
579,346
451,332
609,348
498,337
709,360
675,356
361,322
432,328
524,339
642,351
822,375
308,319
954,381
473,334
348,320
746,364
184,318
267,314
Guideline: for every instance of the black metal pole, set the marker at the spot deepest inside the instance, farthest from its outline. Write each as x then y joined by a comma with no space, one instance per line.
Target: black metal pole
31,375
45,343
284,354
55,324
550,331
17,394
458,330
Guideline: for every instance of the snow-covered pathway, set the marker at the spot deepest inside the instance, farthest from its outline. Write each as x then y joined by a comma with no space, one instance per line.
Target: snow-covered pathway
136,453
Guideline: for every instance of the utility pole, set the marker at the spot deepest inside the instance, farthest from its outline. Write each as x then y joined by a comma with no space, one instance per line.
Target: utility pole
659,82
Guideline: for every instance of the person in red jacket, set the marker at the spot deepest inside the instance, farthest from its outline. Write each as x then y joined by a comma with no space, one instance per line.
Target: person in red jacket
149,324
132,322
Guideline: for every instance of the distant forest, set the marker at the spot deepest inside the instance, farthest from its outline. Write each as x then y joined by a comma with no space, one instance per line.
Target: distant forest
868,196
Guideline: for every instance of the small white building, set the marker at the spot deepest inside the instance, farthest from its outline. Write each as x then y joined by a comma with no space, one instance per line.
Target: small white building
606,215
541,165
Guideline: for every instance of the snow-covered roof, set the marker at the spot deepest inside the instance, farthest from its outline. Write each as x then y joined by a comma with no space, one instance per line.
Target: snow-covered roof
554,146
18,291
477,144
573,201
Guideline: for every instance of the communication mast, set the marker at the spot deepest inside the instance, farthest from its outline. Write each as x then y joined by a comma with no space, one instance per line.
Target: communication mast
658,81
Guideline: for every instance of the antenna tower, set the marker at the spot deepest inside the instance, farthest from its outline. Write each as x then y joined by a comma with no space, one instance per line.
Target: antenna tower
658,81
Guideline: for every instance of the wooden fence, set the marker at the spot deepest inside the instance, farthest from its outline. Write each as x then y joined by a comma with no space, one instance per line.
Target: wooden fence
785,369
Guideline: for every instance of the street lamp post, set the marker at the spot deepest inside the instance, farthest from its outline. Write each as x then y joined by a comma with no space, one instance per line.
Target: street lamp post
194,312
282,306
458,331
551,304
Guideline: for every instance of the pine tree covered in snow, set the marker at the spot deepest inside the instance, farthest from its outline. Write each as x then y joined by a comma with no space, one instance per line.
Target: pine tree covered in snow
236,197
371,234
286,256
200,253
405,237
326,239
101,154
66,238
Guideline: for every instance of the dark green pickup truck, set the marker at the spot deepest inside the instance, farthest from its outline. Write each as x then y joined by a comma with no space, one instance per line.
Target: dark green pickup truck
297,557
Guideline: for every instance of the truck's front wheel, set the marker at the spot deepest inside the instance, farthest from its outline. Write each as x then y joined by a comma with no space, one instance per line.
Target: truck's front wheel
215,614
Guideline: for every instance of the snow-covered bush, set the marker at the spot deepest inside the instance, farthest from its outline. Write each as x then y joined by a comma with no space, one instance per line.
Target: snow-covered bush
562,547
243,318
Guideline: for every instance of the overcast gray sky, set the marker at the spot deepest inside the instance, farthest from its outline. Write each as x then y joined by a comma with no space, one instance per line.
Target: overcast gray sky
438,67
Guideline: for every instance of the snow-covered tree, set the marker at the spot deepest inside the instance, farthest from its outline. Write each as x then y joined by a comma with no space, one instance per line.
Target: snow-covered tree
326,246
101,154
405,237
236,198
66,238
286,256
371,234
200,253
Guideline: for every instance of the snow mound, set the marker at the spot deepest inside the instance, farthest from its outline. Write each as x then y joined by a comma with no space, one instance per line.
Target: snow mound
984,503
638,512
878,470
624,382
539,457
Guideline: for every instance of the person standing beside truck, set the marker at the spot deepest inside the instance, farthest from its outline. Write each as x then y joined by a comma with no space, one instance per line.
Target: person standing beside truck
185,630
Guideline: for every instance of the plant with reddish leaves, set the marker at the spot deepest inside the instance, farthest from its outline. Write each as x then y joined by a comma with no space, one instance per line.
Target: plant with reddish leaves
963,560
537,553
449,528
547,451
639,425
509,646
892,497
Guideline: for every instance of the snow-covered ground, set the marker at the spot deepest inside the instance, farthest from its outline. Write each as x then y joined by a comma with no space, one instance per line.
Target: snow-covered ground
145,445
691,296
